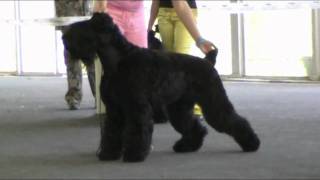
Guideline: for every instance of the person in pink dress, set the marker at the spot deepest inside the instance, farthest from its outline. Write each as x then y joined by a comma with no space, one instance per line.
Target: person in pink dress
129,16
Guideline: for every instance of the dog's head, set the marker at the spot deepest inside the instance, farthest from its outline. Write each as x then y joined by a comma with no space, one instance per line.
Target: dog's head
82,39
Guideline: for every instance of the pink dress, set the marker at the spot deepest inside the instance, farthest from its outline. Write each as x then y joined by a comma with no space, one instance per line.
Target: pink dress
127,5
129,16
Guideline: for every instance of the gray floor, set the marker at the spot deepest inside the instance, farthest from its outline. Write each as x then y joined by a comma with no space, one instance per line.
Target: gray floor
40,138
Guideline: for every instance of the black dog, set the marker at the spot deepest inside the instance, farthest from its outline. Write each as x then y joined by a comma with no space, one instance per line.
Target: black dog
137,81
153,42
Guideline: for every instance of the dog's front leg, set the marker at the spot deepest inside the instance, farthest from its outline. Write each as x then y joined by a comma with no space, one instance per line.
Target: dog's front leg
111,135
137,133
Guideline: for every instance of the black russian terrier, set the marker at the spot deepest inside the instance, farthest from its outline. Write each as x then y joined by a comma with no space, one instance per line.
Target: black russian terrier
137,82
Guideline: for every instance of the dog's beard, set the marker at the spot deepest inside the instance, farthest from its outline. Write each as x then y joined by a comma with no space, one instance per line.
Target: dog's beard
86,54
87,59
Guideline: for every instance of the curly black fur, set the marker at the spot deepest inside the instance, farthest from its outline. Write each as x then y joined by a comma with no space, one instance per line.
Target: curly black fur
153,42
138,81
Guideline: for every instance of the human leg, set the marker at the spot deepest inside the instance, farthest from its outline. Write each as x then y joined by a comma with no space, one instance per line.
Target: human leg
73,96
166,28
182,41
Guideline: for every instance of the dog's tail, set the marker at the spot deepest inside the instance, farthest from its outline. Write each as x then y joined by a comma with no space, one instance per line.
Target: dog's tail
211,56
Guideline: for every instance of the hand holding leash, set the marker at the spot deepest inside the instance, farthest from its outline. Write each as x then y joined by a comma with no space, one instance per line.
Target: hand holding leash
204,45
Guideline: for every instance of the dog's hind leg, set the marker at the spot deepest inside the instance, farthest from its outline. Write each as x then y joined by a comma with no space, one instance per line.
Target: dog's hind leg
220,114
183,120
138,131
160,114
111,134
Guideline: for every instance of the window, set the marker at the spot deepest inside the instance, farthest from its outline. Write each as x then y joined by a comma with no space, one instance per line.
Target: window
275,41
278,43
38,50
7,36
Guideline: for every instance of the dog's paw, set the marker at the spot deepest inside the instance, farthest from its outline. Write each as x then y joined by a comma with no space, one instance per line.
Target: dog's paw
190,144
249,143
130,155
184,145
134,157
245,136
107,156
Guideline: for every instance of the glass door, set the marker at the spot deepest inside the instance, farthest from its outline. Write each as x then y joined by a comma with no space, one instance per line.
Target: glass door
8,62
38,40
278,43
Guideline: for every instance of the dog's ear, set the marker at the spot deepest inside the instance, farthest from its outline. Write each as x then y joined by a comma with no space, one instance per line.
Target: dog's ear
102,22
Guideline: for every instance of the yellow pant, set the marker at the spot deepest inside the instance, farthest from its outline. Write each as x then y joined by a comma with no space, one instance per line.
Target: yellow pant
174,35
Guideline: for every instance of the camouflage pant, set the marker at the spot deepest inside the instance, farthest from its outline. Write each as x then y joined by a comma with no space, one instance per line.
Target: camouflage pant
74,76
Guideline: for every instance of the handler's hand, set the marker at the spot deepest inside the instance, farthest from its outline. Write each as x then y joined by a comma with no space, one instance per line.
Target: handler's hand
205,46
